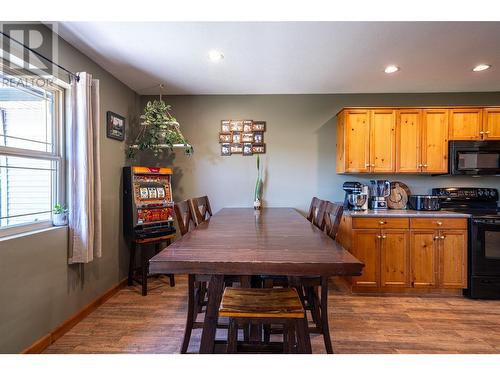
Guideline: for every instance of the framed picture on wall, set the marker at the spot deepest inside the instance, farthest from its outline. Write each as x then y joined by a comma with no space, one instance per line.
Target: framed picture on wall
258,137
225,126
247,137
225,149
259,149
225,138
247,149
236,148
236,125
236,137
247,125
259,126
115,126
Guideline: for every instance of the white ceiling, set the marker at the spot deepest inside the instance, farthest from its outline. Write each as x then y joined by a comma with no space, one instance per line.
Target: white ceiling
293,57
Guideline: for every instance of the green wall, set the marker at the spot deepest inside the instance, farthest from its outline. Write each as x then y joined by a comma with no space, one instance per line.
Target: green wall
38,290
300,139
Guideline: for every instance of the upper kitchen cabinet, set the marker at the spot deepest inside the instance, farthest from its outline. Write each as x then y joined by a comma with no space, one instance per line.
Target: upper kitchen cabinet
353,141
408,140
382,141
466,124
434,141
491,123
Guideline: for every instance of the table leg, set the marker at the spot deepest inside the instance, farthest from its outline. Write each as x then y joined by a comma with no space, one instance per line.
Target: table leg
324,315
215,290
144,270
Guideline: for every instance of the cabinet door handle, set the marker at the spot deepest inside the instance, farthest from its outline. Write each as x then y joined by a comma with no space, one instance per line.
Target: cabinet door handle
379,236
381,222
367,164
373,165
439,223
488,132
442,237
420,165
481,132
383,237
425,165
436,237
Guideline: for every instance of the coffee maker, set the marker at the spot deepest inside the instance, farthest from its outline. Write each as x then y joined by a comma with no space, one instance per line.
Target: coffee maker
356,196
379,191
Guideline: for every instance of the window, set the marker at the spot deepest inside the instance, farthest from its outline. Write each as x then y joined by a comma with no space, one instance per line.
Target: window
30,152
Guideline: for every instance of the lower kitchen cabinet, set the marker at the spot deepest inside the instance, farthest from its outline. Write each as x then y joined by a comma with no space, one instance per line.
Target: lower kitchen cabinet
428,255
366,247
394,259
423,258
452,259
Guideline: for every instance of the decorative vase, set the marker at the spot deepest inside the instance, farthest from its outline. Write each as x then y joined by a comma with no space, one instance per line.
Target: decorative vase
257,205
59,220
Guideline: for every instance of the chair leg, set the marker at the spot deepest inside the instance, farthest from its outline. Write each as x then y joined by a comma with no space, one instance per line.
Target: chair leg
303,339
315,306
144,271
131,265
324,315
190,315
232,336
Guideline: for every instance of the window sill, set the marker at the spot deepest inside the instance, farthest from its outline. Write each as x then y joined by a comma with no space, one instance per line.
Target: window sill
32,232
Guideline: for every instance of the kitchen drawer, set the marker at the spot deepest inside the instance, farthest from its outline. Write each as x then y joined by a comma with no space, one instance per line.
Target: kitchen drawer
380,222
438,223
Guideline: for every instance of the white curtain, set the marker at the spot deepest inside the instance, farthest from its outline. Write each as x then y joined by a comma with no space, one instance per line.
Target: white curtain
84,172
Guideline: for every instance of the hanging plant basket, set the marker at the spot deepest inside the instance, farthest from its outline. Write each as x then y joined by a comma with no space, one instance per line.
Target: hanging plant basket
159,131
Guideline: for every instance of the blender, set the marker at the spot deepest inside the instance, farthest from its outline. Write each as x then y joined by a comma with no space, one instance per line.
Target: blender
380,190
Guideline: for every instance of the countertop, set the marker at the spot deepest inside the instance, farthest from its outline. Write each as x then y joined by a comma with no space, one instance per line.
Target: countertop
404,213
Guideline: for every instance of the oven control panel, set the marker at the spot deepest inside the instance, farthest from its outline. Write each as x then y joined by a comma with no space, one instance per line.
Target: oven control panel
466,194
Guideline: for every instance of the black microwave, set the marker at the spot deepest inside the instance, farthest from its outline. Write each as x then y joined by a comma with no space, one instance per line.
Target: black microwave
474,157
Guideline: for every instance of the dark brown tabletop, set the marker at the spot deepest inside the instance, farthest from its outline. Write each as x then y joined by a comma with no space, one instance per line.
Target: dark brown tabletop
242,241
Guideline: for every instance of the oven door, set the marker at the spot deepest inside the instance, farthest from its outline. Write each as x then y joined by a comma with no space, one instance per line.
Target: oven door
485,249
475,157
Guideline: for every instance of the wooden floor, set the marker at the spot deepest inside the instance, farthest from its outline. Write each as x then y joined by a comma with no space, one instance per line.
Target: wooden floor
130,323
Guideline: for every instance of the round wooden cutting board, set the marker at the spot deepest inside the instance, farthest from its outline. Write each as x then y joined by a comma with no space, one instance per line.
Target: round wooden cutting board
399,196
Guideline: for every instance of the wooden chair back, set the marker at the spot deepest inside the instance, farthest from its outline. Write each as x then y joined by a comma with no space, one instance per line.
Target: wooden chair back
332,215
185,216
201,208
316,209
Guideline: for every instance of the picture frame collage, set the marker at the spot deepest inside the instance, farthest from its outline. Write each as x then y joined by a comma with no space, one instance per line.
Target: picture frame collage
245,137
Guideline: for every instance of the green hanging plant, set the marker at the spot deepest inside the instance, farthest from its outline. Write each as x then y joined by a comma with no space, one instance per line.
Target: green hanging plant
160,131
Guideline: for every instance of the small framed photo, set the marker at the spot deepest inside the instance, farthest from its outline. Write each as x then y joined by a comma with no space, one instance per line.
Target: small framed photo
225,126
115,126
247,125
247,149
259,126
236,126
247,137
225,138
225,149
258,137
236,137
259,149
236,148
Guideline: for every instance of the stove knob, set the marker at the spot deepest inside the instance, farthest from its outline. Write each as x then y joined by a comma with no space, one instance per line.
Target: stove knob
480,193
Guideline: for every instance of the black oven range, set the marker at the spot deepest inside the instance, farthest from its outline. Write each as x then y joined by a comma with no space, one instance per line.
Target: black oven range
484,236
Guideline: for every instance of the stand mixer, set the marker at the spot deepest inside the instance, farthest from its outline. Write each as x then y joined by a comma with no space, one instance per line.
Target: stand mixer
356,196
379,191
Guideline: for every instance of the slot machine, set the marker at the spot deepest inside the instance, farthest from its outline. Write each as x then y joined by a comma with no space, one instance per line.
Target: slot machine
148,205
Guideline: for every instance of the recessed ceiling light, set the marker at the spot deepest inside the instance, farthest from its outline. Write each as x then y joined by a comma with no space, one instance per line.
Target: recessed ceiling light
215,55
391,69
481,67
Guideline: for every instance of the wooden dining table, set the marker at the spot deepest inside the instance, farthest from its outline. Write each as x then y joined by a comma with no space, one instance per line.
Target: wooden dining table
248,242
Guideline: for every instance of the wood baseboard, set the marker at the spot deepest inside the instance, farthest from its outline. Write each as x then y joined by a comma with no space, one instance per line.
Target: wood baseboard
42,343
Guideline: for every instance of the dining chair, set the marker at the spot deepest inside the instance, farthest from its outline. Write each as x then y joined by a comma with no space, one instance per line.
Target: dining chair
332,216
316,210
329,223
185,216
201,208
